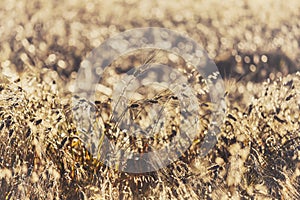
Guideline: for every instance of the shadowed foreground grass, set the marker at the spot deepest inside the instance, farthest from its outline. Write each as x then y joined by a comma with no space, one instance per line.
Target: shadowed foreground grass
257,153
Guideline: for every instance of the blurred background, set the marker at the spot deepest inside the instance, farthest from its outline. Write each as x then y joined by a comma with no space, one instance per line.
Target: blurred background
241,36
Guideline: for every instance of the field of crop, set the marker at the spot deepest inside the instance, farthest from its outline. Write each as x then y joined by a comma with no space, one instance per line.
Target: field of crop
255,45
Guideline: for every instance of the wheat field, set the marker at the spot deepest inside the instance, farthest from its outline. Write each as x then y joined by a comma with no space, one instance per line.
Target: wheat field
255,45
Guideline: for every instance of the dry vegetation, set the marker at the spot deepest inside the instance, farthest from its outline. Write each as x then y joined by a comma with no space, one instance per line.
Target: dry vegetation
255,45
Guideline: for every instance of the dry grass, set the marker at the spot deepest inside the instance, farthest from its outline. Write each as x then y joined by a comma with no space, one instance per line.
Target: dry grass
257,153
